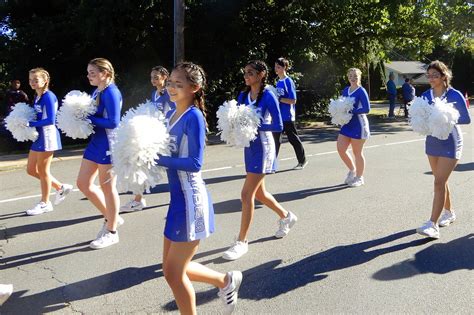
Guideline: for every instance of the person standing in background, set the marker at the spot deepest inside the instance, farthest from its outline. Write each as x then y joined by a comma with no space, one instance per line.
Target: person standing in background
408,93
15,95
392,95
287,100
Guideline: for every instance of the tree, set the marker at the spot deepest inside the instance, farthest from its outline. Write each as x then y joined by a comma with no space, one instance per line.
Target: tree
322,38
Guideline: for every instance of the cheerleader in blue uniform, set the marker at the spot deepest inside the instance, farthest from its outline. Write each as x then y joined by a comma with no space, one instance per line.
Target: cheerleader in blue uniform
260,158
42,150
161,99
160,96
190,215
356,131
96,159
287,97
443,155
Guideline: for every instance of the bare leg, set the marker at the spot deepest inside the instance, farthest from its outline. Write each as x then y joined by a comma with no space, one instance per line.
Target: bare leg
85,182
442,167
343,143
357,149
447,203
267,199
108,184
43,163
32,169
138,198
251,184
178,256
199,273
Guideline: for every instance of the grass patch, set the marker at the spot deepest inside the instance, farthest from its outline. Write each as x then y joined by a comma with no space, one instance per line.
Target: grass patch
380,112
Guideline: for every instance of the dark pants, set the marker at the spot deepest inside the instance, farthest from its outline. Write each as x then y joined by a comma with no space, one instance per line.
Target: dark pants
405,108
289,129
391,111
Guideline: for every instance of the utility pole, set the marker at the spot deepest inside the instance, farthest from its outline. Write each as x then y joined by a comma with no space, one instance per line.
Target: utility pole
178,39
368,75
368,67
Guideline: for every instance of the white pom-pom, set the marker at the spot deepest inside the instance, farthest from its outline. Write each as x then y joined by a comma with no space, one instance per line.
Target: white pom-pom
419,114
72,116
443,118
246,125
238,125
139,138
17,122
225,119
341,110
437,119
272,89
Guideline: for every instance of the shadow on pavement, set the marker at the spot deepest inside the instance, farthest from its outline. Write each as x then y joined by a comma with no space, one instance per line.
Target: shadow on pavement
43,226
300,194
234,205
7,216
439,258
466,167
59,298
31,258
269,280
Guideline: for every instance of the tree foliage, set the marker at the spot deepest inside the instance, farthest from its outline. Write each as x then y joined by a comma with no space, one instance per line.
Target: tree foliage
321,38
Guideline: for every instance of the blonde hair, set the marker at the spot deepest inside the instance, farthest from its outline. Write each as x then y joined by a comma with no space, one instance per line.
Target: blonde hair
42,73
443,69
104,65
357,71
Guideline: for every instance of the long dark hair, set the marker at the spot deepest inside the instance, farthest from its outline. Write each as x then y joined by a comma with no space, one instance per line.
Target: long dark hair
259,66
195,75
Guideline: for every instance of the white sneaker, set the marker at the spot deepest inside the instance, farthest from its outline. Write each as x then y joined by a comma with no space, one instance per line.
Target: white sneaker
447,218
103,229
62,193
300,166
107,239
7,289
350,177
40,208
236,250
229,294
286,224
357,182
429,229
133,205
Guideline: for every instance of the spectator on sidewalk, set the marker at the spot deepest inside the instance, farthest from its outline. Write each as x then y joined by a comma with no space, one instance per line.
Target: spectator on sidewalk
408,93
392,95
15,95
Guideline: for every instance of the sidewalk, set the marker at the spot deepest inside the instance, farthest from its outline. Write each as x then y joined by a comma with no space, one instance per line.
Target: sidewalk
14,161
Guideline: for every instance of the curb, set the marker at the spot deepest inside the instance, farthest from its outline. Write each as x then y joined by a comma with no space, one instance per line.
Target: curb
18,161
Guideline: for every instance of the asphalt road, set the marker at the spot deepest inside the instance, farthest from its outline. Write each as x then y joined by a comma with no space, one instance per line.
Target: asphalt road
353,250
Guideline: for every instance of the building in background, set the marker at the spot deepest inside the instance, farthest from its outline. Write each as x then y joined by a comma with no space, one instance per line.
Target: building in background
407,69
